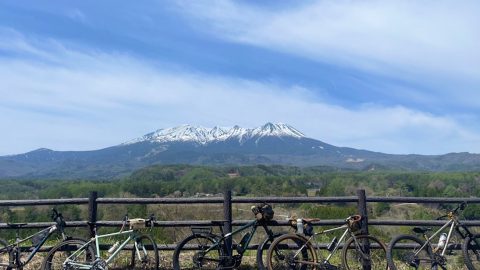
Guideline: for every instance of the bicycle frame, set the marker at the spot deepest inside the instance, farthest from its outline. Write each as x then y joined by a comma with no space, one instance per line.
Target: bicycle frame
50,230
131,235
221,241
337,246
454,224
253,224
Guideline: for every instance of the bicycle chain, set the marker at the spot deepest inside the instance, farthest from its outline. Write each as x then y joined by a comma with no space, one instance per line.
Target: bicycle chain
99,264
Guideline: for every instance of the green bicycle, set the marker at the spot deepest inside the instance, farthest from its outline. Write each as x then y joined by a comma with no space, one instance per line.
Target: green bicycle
143,254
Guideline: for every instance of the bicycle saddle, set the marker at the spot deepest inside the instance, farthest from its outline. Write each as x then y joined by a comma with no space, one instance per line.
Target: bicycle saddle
421,229
218,222
310,220
16,225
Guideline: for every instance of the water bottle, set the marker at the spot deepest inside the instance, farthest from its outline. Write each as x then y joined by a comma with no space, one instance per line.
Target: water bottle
442,241
300,226
332,244
244,240
112,249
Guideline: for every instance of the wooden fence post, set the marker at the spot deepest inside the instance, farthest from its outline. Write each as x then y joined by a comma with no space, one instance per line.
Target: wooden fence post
227,214
362,210
92,212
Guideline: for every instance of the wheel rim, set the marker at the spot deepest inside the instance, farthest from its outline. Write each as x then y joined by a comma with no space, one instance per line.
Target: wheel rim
406,254
291,253
195,254
473,254
356,255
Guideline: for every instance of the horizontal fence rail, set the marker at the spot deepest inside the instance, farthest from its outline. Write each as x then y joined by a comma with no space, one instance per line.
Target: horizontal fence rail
94,202
227,201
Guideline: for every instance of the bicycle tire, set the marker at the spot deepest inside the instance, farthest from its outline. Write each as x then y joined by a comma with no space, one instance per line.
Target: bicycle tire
284,253
471,252
262,250
147,249
60,252
399,250
353,258
192,253
4,254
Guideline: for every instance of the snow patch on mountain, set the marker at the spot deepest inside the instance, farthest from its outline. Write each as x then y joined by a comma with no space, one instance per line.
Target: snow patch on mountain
202,135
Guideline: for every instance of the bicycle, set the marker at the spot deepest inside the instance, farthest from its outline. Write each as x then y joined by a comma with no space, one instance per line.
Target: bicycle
144,253
12,255
206,250
297,251
411,252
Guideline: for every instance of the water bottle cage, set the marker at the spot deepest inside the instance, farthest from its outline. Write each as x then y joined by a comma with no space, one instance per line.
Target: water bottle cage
332,244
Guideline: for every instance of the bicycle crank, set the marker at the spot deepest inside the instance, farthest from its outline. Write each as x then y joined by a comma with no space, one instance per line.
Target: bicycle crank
100,264
328,266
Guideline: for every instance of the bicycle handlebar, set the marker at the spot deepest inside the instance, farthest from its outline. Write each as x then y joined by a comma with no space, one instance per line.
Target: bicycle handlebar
460,207
57,218
151,220
354,218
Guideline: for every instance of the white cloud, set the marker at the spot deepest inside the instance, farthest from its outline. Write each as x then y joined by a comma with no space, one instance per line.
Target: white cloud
75,100
431,42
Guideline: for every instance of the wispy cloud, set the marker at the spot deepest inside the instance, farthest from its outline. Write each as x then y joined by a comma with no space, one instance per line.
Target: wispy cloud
430,42
81,99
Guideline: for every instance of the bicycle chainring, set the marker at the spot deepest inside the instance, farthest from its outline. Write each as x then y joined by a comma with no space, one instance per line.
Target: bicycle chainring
328,266
439,259
237,260
411,259
99,264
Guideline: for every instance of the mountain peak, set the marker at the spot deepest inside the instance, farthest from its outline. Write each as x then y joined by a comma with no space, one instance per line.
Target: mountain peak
202,135
278,129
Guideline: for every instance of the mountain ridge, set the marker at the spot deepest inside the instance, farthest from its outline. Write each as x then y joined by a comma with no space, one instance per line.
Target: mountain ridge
268,144
204,135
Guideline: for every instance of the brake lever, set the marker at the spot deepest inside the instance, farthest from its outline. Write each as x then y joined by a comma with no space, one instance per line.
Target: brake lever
54,214
440,217
152,221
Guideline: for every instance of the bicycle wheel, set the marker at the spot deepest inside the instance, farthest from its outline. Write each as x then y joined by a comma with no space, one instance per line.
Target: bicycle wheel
144,254
263,249
198,251
55,258
3,254
471,252
364,249
291,251
404,252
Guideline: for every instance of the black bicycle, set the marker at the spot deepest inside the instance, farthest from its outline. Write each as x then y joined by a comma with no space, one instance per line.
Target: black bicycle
411,252
12,256
205,250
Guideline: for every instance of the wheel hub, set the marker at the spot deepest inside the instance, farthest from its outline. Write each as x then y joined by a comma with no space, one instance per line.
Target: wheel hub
198,259
411,260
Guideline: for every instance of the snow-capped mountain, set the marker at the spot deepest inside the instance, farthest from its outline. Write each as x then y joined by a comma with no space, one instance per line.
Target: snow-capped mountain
268,144
202,135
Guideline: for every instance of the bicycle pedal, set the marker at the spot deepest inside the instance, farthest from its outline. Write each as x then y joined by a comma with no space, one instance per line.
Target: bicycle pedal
327,266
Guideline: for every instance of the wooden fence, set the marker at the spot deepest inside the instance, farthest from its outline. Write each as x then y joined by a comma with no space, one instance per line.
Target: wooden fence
227,201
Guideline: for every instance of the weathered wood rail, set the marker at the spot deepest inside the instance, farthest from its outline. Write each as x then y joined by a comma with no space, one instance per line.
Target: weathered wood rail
227,201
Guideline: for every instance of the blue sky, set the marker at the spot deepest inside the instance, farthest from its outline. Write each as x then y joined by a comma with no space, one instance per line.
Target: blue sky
390,76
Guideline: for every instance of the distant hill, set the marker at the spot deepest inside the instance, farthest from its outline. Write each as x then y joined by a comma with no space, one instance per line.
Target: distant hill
269,144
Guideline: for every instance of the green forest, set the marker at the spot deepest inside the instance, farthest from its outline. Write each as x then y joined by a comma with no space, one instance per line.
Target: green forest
199,181
260,180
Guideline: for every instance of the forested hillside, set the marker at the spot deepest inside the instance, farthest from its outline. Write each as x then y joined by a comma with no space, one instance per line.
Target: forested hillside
191,181
187,181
